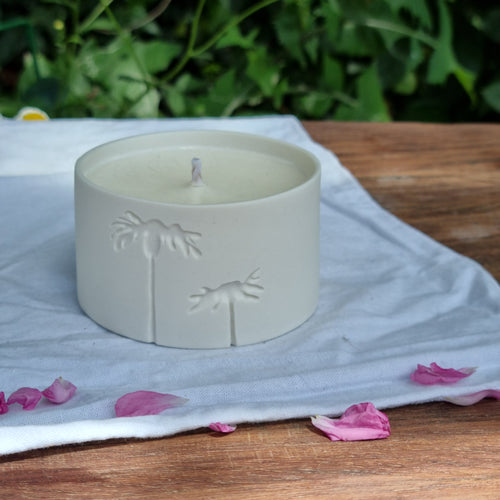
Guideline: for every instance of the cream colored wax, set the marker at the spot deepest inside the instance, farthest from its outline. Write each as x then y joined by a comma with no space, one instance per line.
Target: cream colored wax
228,176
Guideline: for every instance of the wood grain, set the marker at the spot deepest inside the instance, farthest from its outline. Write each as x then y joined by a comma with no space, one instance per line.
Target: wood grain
443,179
435,451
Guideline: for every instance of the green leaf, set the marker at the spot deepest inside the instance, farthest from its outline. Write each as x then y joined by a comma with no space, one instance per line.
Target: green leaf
443,61
187,83
391,70
45,93
375,22
491,95
371,105
125,79
234,38
146,106
104,105
315,104
118,71
407,85
333,15
222,99
467,80
311,47
224,86
417,8
101,64
77,83
415,55
357,41
100,24
492,24
175,100
332,74
279,93
13,43
88,59
9,107
289,34
262,69
398,68
28,75
369,92
304,12
157,55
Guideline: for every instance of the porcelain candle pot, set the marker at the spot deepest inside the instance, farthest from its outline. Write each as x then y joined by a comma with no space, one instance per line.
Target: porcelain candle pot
198,239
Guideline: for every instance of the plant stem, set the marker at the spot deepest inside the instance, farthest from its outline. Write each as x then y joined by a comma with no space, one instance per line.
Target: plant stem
151,16
75,15
125,36
94,15
396,28
190,46
192,52
231,24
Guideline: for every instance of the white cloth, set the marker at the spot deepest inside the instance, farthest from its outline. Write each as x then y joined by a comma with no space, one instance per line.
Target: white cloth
390,298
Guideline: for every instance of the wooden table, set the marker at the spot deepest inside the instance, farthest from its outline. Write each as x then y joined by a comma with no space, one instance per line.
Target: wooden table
444,180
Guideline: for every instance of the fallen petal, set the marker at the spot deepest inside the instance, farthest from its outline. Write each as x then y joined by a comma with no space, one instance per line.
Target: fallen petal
434,374
27,397
4,407
142,403
60,391
471,399
225,428
359,422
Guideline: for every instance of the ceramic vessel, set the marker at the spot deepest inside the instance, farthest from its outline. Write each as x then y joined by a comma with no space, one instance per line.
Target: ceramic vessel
231,261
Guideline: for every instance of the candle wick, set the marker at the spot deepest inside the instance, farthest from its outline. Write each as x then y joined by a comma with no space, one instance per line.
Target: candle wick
196,179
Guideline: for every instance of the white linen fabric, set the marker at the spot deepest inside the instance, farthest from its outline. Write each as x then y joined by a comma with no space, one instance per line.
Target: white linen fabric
390,298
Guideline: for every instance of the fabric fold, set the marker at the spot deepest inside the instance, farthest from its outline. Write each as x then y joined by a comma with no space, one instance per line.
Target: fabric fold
391,298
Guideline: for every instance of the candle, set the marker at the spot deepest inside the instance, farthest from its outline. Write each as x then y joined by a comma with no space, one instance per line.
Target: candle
197,239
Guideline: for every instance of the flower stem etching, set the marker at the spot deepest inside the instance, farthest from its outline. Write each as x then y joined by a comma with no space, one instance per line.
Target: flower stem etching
153,234
228,294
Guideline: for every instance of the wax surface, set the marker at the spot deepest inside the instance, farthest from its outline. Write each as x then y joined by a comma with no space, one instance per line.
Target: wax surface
228,175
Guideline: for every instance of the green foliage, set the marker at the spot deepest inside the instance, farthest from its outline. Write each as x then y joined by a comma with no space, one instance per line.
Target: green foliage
378,60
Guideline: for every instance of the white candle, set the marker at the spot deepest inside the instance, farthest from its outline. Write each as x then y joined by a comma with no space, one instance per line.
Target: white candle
166,255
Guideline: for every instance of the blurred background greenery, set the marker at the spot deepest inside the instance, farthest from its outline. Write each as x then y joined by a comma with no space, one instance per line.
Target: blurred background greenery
373,60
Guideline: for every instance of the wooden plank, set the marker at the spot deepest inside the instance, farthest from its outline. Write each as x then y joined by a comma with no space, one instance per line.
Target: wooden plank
436,450
441,179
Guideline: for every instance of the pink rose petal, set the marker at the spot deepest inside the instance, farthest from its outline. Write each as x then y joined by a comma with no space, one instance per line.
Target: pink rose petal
25,396
225,428
142,403
4,407
471,399
434,374
359,422
60,391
